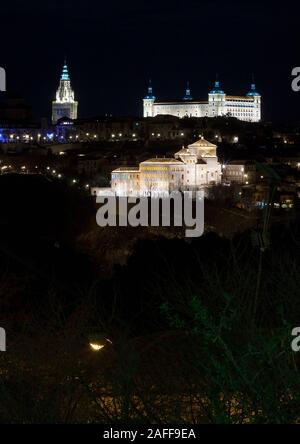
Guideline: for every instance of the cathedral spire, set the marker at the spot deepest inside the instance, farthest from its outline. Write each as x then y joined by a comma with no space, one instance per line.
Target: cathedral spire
65,104
65,72
188,92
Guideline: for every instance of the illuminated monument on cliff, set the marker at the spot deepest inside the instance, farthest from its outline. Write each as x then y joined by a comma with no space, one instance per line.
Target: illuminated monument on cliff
65,104
247,108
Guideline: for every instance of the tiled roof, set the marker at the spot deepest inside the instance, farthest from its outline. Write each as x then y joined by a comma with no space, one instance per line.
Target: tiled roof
202,143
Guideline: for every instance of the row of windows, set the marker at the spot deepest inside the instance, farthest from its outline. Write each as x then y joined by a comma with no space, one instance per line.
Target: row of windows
152,168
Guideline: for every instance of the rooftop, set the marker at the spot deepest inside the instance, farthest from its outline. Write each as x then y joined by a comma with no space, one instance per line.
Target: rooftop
162,160
126,169
202,143
180,102
248,99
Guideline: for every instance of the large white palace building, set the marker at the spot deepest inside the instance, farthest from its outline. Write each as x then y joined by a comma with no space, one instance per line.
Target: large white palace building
192,168
246,107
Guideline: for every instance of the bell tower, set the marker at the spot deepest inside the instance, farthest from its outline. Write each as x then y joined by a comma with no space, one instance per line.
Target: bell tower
65,104
149,101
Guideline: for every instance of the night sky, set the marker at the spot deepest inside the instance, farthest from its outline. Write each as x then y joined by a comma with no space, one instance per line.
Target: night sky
113,47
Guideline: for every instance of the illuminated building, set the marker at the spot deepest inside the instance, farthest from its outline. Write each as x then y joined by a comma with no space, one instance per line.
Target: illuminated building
246,107
191,169
65,104
239,171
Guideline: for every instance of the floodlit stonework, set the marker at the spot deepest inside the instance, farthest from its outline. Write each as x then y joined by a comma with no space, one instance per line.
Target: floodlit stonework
193,168
65,104
247,108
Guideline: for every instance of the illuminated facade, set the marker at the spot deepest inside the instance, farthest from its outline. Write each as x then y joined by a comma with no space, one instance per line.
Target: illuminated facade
247,108
191,169
65,104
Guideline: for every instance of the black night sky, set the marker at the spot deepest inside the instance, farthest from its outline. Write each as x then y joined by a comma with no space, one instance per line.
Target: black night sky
113,47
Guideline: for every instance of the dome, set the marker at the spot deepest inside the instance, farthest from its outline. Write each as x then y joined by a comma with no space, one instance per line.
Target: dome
253,91
150,94
217,89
